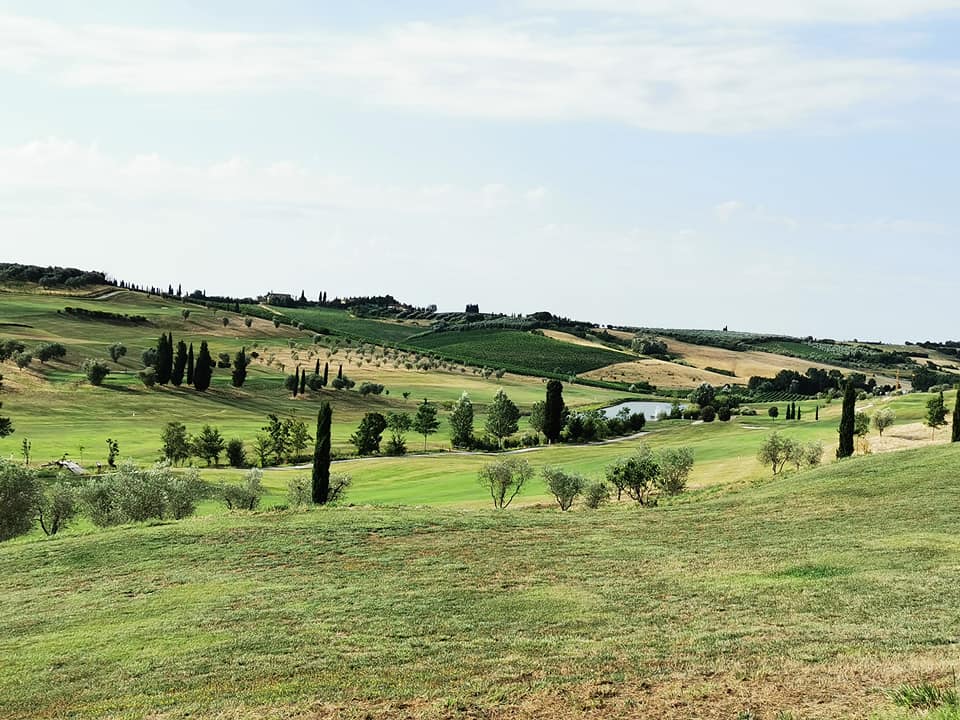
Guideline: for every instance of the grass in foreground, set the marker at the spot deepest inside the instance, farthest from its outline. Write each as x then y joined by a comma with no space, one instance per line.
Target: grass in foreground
815,595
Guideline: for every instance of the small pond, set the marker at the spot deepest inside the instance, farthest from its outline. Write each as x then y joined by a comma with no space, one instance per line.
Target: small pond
650,409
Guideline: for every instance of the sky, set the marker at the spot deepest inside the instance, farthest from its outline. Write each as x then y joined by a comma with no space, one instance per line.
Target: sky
771,166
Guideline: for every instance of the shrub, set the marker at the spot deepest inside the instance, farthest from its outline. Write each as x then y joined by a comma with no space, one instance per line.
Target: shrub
369,388
246,495
675,466
148,376
813,453
236,453
132,494
724,414
691,412
298,491
339,482
708,414
564,486
223,359
342,383
49,351
248,321
748,412
595,495
23,359
95,371
57,507
117,351
19,496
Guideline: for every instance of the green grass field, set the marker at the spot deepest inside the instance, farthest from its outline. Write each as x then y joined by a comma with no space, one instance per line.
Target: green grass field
59,412
812,595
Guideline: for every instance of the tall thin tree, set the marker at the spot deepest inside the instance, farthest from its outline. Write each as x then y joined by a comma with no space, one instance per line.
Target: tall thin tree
320,488
553,411
203,371
179,364
190,365
955,430
847,421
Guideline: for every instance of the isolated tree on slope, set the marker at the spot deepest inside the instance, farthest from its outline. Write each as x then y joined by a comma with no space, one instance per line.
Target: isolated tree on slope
955,434
847,421
320,487
883,418
936,413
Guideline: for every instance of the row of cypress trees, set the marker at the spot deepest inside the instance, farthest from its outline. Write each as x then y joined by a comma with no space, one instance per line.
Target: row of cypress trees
175,366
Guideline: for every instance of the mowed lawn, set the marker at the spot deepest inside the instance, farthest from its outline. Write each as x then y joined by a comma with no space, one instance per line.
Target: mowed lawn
811,595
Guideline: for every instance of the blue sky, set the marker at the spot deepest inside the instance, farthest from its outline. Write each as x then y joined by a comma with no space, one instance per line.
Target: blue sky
768,166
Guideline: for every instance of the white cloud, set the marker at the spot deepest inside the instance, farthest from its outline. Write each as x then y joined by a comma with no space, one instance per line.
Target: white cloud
726,210
68,170
702,81
759,11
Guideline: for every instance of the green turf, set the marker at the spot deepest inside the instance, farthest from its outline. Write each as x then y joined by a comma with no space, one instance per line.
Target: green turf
450,613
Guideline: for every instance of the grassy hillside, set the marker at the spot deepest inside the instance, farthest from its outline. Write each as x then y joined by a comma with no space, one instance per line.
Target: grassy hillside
812,595
511,349
59,412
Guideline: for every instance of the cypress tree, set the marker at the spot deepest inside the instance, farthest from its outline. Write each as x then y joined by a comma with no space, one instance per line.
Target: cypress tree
203,370
239,375
316,369
179,364
190,365
955,431
303,382
799,412
553,411
296,381
847,422
321,456
163,368
816,415
340,372
326,373
169,358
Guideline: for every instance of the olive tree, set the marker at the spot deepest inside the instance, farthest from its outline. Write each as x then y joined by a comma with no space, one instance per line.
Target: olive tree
19,496
564,486
637,475
883,418
675,466
57,506
776,452
504,479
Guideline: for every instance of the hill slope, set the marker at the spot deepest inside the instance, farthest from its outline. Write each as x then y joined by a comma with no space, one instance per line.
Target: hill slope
810,595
